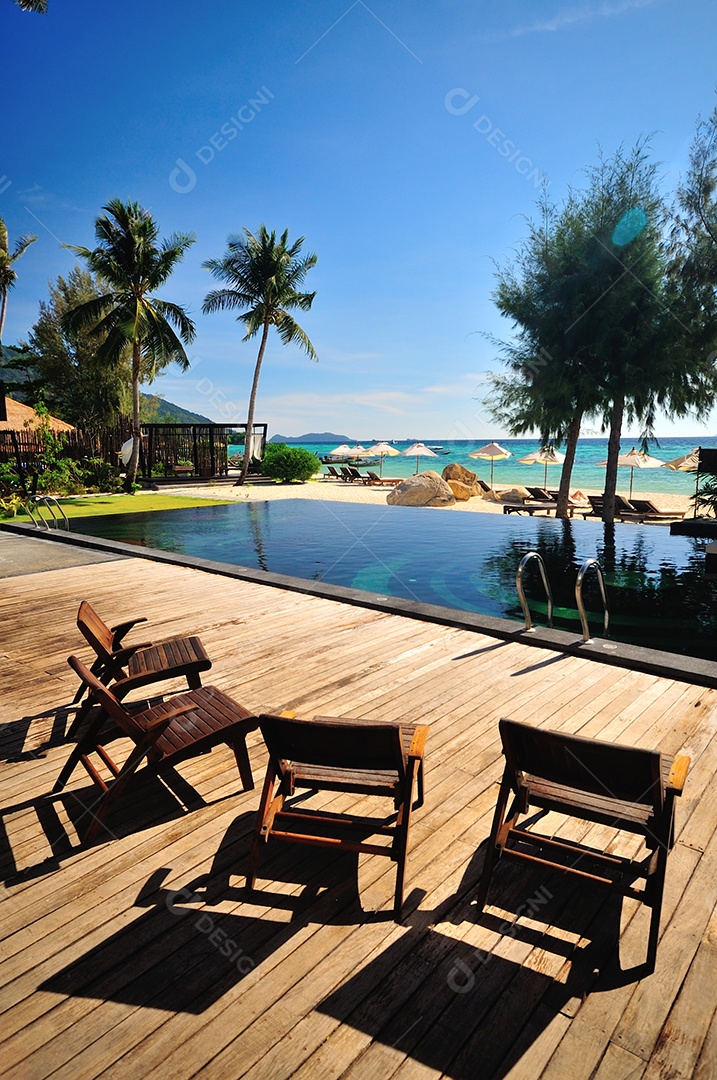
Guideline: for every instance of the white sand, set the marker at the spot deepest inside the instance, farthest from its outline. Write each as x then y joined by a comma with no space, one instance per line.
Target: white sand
338,491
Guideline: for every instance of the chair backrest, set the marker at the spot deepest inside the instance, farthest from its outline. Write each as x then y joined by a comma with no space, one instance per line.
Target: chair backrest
597,502
355,473
333,471
346,472
339,744
95,631
621,503
645,506
373,476
482,484
538,493
106,699
625,773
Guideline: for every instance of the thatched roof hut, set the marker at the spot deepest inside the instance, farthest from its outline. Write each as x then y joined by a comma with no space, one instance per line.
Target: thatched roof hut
20,417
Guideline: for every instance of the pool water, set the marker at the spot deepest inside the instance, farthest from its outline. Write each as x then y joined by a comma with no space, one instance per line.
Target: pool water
659,596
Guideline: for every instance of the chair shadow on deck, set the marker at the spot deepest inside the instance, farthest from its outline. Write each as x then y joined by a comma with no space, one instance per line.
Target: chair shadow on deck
14,734
186,950
63,817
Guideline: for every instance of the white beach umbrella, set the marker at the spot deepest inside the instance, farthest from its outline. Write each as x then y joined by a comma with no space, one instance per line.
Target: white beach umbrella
419,449
342,451
358,449
547,455
492,451
383,449
636,459
688,463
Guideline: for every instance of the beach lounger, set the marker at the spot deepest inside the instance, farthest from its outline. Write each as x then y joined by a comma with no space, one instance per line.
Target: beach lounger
346,474
529,507
538,494
597,502
374,478
183,727
646,510
342,755
626,788
132,666
357,477
333,473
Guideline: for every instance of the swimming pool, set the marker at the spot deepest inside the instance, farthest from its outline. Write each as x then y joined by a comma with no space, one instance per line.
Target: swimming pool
659,597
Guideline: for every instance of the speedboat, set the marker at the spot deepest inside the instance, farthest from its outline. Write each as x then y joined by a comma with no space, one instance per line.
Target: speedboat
438,449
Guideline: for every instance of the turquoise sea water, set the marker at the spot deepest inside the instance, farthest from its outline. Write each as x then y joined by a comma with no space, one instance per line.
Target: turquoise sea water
586,472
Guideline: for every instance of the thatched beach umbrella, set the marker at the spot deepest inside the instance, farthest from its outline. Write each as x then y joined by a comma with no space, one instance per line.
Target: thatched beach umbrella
492,451
636,459
383,449
547,455
419,449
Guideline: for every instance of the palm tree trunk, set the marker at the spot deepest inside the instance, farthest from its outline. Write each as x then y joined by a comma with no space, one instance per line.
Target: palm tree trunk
136,429
252,402
613,451
3,312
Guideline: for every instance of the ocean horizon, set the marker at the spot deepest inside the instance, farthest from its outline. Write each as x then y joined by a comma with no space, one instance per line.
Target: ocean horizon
586,472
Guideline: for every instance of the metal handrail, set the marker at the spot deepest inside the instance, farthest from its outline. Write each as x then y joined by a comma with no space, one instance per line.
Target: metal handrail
49,502
579,598
521,592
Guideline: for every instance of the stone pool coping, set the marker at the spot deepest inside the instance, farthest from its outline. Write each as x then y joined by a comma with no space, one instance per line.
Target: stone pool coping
618,654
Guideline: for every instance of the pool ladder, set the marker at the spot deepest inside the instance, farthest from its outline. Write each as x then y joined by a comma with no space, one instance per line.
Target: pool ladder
586,565
50,503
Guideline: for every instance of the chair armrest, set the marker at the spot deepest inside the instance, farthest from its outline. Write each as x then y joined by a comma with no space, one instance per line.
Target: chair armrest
678,774
418,741
121,656
123,628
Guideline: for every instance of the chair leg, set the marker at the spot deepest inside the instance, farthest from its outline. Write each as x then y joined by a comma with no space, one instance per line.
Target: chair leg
264,805
85,746
241,755
656,889
114,791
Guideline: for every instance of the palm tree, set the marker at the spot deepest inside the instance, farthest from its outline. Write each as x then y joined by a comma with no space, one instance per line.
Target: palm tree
263,274
8,276
40,6
132,263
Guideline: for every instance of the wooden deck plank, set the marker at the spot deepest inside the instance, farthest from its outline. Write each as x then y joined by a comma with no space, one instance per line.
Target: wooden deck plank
100,977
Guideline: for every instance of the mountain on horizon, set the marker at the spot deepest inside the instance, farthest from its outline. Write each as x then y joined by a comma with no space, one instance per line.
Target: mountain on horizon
312,437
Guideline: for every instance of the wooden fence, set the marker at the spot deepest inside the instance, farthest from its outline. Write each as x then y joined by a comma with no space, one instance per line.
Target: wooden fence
165,448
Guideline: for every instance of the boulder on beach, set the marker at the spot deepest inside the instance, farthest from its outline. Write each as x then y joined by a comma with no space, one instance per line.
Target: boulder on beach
424,489
463,492
454,471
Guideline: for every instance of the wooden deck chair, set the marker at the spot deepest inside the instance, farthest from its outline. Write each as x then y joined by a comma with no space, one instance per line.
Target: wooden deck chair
137,665
339,754
539,494
647,511
624,787
183,727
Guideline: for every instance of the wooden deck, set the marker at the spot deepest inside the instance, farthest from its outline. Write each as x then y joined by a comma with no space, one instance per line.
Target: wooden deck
143,957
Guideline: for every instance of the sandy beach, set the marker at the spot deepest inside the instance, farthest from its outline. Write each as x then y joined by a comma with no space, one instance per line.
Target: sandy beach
337,491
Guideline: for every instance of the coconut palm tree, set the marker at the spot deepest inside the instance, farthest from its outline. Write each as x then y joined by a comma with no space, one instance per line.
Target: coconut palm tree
8,276
263,275
33,5
132,263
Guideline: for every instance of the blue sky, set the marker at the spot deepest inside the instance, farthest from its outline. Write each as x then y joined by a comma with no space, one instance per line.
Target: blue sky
405,141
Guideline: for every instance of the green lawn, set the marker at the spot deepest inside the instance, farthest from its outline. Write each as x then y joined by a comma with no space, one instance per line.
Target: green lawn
96,505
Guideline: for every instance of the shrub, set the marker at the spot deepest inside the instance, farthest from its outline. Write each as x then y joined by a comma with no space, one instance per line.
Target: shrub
99,474
287,463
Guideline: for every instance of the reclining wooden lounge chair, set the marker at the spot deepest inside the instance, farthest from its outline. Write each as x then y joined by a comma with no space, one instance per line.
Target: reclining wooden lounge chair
623,787
183,727
390,481
133,666
339,754
646,510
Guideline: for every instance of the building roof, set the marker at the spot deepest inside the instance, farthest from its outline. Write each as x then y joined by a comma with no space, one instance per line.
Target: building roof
20,416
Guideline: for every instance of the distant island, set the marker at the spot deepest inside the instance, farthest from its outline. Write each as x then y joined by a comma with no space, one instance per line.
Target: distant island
312,437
